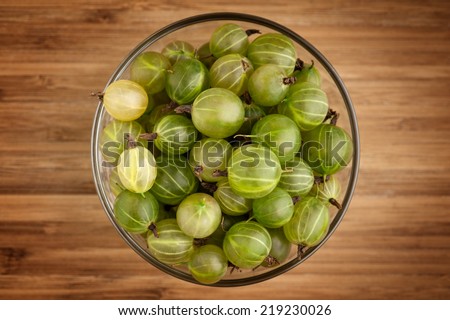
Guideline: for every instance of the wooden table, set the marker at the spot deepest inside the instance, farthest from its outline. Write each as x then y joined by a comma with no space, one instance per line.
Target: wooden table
55,240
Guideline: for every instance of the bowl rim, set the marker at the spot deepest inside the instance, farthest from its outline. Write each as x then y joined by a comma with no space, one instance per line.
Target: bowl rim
227,16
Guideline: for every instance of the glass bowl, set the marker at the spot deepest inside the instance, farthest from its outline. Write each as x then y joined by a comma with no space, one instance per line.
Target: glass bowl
197,30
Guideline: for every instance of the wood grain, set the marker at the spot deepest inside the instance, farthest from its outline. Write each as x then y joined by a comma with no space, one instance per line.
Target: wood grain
55,240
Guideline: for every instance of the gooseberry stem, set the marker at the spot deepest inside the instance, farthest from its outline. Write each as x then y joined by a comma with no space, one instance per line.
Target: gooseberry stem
198,171
220,173
245,65
200,242
246,97
98,94
249,32
300,252
152,228
299,64
289,80
131,143
312,65
209,187
149,136
319,180
296,199
186,108
333,115
335,203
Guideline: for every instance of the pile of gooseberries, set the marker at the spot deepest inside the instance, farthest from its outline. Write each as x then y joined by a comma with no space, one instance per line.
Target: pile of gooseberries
224,155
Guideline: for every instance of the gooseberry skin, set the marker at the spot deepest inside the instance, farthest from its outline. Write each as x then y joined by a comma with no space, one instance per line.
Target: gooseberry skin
137,169
228,38
273,48
231,72
273,210
280,134
297,177
266,85
208,264
281,247
253,171
247,244
230,202
309,224
135,212
176,134
327,149
217,113
174,180
188,78
155,115
171,246
309,73
198,215
306,104
149,70
178,50
209,155
114,138
125,100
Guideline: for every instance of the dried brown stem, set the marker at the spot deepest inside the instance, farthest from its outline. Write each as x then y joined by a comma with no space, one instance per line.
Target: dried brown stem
149,136
152,228
249,32
335,203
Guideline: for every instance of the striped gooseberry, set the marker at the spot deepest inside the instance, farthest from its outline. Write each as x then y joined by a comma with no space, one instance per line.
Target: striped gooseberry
186,80
149,70
148,123
173,134
209,157
208,264
273,210
273,48
135,212
171,245
230,202
137,169
125,100
247,244
327,149
280,134
306,104
217,113
268,85
231,72
115,136
309,224
178,50
328,191
297,177
174,180
253,171
199,215
228,38
226,223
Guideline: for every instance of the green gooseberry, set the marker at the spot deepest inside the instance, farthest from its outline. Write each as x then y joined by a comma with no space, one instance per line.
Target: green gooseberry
247,244
135,212
209,157
327,149
280,134
208,264
328,191
273,210
178,50
230,202
217,113
231,72
306,104
199,215
174,180
308,73
253,171
228,38
187,79
171,245
309,224
149,70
